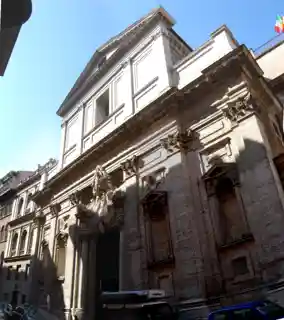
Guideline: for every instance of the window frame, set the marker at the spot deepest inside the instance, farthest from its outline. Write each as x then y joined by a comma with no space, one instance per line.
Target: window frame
70,122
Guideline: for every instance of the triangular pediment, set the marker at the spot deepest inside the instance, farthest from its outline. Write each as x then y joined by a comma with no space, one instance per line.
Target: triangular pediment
110,49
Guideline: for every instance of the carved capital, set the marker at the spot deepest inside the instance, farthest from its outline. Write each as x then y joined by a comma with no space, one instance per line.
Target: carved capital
75,198
131,166
44,244
55,208
39,218
181,140
239,109
62,237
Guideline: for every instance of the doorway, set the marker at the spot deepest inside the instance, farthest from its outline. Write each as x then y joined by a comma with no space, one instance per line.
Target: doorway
107,261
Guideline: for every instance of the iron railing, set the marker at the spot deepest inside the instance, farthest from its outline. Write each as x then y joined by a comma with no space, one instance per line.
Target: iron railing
268,45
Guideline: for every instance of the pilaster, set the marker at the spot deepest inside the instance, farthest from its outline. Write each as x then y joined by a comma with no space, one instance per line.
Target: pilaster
81,128
128,84
62,145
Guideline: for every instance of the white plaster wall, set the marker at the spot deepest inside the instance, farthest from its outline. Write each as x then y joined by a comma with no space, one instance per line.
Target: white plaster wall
139,78
191,67
272,62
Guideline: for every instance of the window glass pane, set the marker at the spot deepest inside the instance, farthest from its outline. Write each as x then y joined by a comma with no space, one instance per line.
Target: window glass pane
271,310
102,107
88,119
243,314
221,316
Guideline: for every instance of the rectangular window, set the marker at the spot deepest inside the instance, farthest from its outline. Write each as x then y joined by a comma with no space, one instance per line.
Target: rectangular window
144,70
89,116
119,92
71,133
23,298
157,229
240,266
17,274
102,107
27,271
9,273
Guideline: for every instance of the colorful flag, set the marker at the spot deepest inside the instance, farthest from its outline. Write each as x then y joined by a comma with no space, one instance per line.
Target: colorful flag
279,25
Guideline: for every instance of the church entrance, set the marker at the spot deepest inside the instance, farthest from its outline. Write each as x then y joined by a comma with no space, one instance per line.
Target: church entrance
107,261
107,265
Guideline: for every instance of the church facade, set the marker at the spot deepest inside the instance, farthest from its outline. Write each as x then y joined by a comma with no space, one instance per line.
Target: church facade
169,177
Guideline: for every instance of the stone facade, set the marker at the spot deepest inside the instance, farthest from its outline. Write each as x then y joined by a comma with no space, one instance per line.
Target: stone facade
19,234
184,193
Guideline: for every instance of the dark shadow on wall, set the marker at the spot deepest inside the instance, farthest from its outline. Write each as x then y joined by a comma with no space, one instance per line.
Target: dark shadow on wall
202,252
36,287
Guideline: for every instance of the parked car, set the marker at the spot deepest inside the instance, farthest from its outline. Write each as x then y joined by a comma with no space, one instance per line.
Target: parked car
257,310
136,305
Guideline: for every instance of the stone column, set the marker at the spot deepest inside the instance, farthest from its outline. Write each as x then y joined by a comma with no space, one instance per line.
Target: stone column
128,80
33,293
28,239
91,278
8,244
18,242
82,278
24,204
14,209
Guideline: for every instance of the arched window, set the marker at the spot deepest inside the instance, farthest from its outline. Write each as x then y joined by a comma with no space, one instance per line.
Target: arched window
61,255
20,206
30,245
2,234
23,242
14,245
229,208
29,204
6,233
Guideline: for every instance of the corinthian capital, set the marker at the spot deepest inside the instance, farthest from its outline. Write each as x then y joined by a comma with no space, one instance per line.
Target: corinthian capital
181,140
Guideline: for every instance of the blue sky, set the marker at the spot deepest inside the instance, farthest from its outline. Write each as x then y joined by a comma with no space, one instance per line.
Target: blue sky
58,40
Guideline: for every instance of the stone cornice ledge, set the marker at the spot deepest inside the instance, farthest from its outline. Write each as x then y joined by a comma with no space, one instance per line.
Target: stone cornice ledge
17,258
22,219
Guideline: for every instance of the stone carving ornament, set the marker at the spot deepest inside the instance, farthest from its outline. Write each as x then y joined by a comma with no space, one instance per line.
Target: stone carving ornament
240,108
181,140
106,204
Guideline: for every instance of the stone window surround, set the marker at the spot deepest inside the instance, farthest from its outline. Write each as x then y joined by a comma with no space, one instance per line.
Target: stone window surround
162,197
26,204
19,233
4,233
230,171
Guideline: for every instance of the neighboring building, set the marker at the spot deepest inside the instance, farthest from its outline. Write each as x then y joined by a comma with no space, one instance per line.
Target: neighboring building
8,186
18,231
13,14
167,176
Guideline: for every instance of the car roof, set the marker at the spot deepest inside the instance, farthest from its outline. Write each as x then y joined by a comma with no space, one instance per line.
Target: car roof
239,306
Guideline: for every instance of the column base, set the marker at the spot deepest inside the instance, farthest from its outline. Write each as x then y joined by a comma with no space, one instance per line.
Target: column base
79,314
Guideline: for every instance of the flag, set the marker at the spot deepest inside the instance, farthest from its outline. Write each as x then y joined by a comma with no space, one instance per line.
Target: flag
279,25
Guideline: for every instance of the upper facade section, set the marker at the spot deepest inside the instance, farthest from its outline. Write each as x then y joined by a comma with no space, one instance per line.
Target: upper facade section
128,73
22,201
270,57
11,180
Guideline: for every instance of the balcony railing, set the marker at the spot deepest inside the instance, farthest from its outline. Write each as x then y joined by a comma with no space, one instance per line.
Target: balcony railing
268,45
